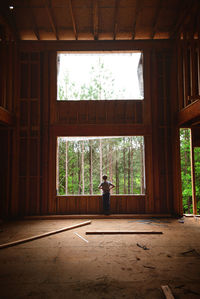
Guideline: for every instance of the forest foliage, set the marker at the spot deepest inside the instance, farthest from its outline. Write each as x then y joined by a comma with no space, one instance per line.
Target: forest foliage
186,172
83,161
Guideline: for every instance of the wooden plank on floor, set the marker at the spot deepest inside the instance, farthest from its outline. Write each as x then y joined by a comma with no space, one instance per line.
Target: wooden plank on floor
43,235
167,292
121,232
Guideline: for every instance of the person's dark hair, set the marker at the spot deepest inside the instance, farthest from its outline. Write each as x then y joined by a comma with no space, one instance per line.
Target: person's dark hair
104,177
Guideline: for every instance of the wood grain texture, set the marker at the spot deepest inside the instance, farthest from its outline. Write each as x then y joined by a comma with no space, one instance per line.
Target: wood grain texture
14,243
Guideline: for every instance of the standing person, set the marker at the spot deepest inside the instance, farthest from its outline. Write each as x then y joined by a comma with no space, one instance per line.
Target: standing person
106,186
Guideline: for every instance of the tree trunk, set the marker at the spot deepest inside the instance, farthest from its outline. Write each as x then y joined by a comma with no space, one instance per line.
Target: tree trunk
142,167
57,168
90,162
110,165
73,169
116,173
129,168
82,167
79,171
66,167
100,160
124,164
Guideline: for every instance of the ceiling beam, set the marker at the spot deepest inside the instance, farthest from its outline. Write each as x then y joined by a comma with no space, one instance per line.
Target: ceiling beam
187,8
156,17
73,19
116,18
35,29
95,19
137,12
51,19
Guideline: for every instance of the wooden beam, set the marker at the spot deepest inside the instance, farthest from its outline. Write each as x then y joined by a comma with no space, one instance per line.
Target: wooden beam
51,19
123,232
95,19
187,9
100,45
35,29
73,19
137,12
6,245
167,292
6,117
100,129
189,113
156,17
116,18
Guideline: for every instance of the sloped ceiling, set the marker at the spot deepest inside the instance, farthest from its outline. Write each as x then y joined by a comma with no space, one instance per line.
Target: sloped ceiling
97,19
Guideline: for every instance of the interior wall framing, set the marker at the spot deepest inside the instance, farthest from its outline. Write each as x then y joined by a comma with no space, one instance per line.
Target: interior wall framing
40,119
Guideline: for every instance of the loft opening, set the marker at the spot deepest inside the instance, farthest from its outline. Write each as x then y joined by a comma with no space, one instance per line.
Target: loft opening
100,76
81,162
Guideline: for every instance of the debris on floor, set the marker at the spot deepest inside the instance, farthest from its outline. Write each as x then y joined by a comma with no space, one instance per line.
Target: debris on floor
142,246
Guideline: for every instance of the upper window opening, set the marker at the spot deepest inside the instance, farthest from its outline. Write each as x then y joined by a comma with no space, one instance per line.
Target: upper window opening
100,76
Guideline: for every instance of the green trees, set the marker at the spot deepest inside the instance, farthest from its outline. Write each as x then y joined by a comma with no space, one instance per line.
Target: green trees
101,85
82,162
186,172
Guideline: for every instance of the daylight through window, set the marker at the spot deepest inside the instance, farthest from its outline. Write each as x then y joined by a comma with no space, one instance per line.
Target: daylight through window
99,76
81,162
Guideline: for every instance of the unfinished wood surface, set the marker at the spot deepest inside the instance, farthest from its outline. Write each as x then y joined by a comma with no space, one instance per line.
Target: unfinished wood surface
122,232
119,111
44,235
6,117
189,114
92,204
93,20
167,292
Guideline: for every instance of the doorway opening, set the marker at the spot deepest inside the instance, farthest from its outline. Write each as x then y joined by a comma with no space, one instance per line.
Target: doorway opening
190,173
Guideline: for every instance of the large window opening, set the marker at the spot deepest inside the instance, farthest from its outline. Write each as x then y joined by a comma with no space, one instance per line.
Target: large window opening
190,172
82,161
100,76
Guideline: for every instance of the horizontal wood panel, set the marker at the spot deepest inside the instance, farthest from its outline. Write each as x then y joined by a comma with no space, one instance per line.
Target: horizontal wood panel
101,130
97,112
120,204
125,45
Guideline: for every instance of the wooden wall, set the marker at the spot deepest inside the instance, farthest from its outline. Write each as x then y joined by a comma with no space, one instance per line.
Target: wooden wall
40,119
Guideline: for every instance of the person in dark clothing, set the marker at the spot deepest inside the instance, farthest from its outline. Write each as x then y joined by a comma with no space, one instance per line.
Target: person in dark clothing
106,186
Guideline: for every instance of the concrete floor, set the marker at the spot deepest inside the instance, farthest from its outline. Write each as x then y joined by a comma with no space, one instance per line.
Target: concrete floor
108,266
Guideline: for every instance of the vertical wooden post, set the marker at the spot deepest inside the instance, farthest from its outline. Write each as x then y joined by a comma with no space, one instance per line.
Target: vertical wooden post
194,200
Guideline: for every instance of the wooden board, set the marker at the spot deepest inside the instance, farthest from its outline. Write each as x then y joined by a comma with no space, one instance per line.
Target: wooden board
121,232
167,292
43,235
